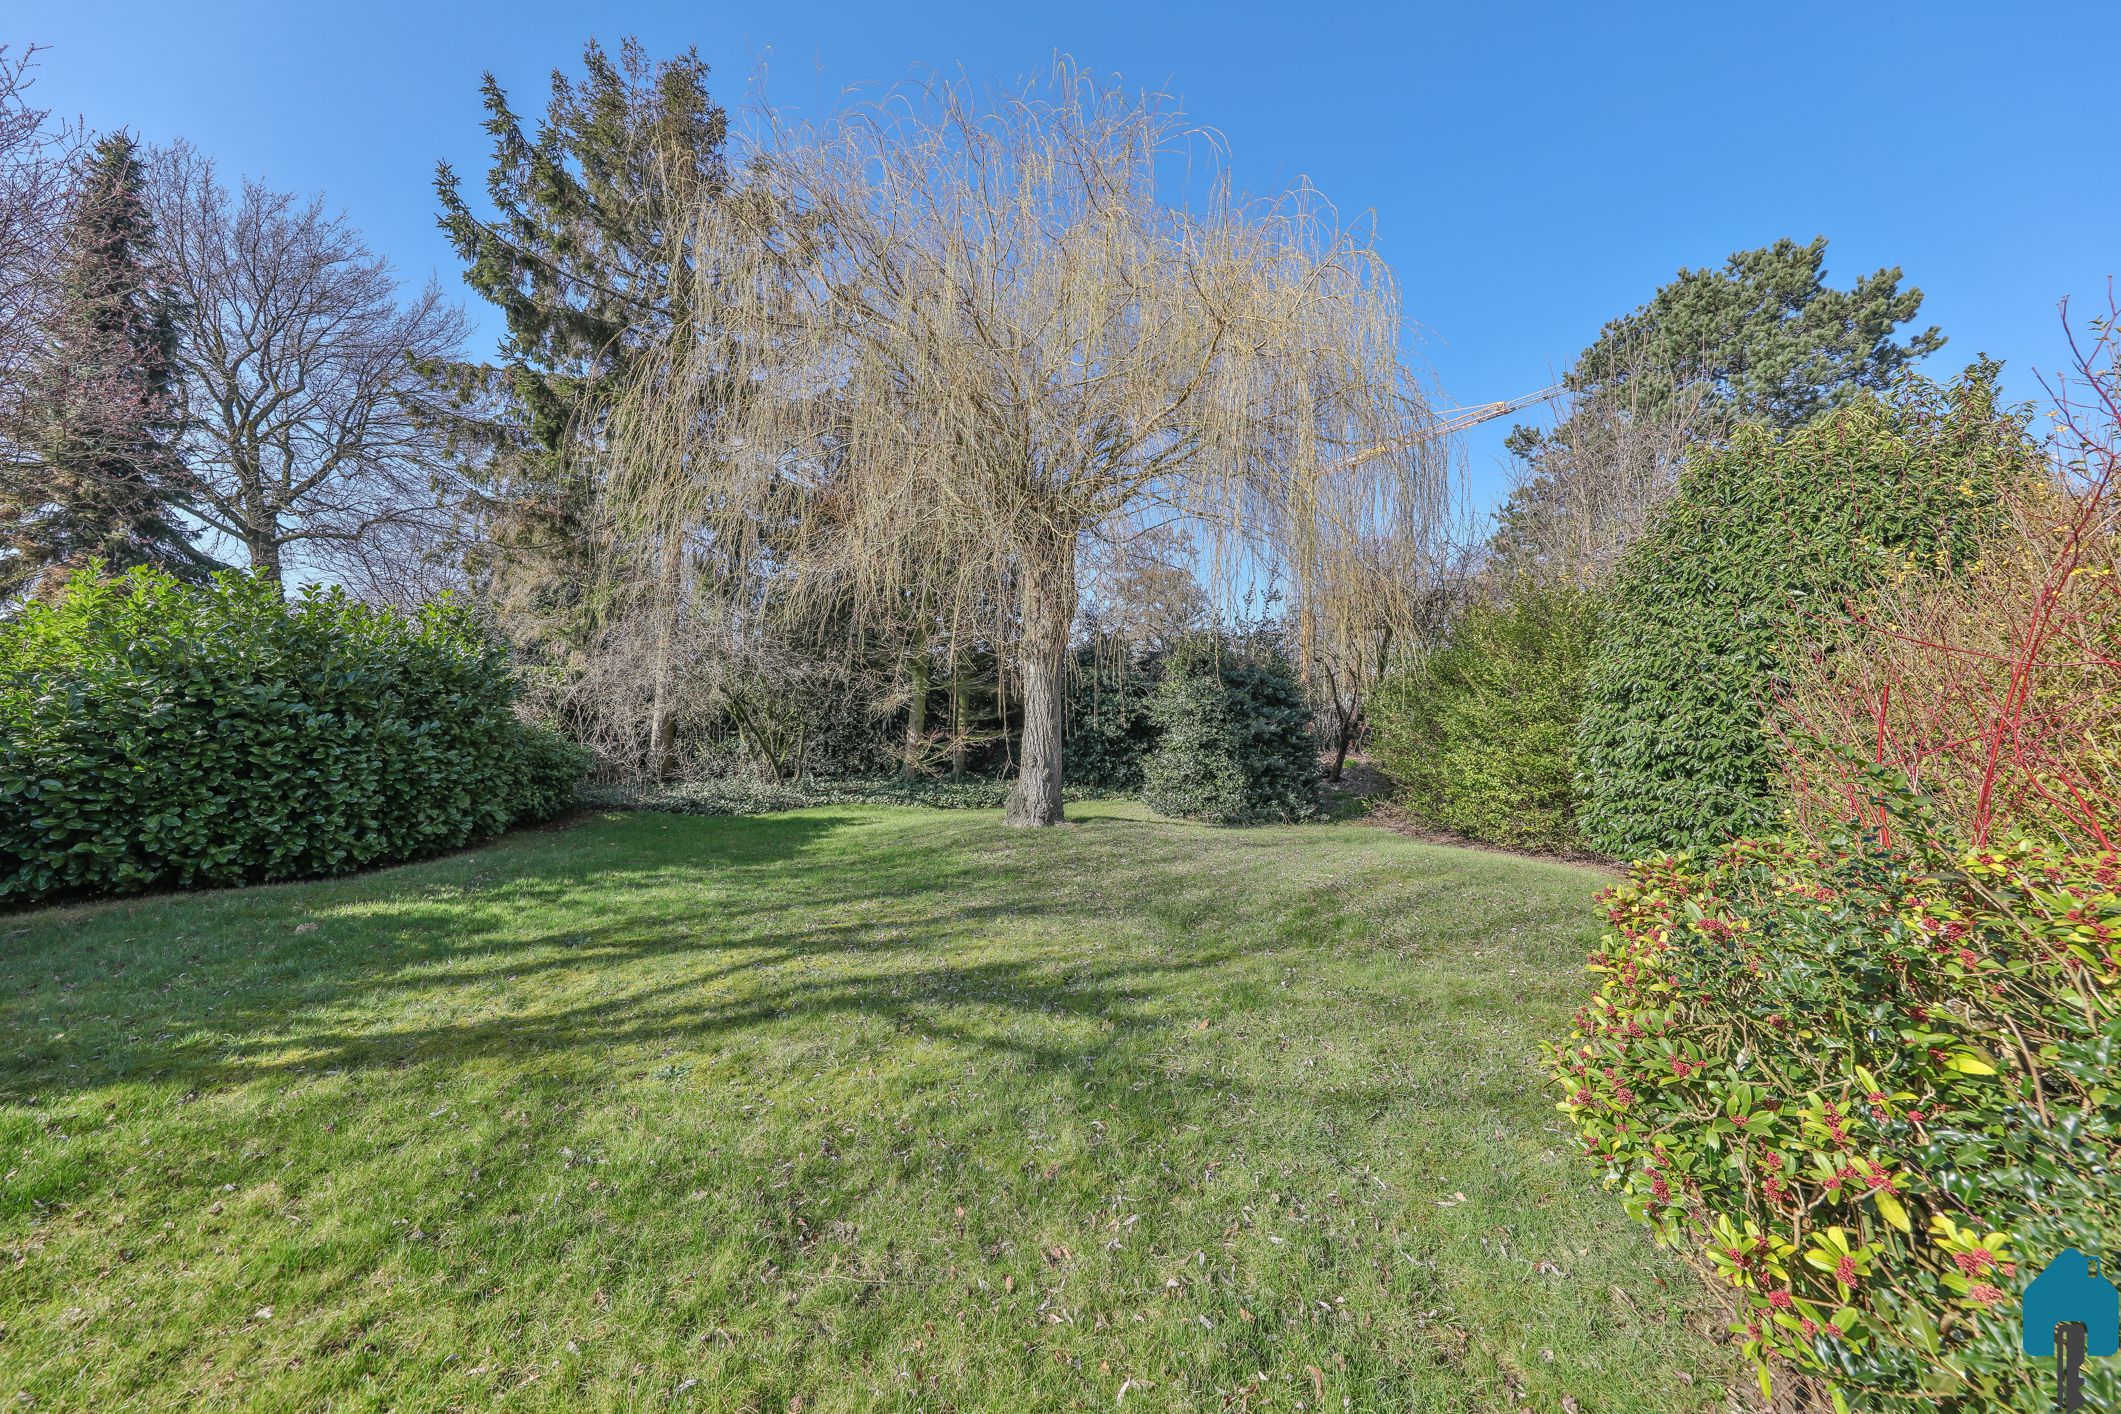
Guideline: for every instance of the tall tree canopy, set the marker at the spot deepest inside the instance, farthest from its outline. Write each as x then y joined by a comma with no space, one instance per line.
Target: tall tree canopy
296,369
96,474
36,174
977,336
1763,339
577,254
1765,334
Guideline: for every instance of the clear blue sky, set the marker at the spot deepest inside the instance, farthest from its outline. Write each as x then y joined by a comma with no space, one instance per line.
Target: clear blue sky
1534,169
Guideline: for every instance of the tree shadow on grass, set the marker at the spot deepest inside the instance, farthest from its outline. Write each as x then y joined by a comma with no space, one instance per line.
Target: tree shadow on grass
594,947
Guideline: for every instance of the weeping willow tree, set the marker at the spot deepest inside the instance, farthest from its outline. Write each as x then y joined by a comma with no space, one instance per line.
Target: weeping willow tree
958,335
1368,592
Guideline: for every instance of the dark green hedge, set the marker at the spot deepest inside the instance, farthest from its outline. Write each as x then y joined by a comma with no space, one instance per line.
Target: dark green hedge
154,734
1480,735
1236,745
1107,730
1753,563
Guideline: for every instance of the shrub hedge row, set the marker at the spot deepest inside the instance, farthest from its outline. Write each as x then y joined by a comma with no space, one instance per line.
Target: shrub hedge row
1872,1090
156,734
1750,568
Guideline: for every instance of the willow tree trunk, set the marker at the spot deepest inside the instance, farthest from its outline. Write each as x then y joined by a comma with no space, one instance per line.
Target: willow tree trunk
916,717
1341,738
1048,605
662,706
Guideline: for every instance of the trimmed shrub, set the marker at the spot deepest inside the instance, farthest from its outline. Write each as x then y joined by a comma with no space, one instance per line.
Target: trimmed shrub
1481,734
158,734
1871,1090
1746,572
1236,746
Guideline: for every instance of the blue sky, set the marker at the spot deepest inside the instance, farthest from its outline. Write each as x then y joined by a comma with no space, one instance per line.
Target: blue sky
1534,169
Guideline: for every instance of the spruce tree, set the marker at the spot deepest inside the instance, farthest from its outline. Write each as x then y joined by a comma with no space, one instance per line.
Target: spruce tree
575,253
92,472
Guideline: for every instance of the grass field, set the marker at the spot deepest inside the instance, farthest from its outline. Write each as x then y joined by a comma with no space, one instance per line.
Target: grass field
849,1108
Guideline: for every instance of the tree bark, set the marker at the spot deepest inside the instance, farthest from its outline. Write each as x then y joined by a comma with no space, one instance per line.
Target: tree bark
916,716
264,551
662,707
957,715
1048,604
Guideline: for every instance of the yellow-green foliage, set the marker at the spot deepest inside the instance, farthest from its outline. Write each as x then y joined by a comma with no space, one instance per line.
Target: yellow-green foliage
1872,1090
1480,735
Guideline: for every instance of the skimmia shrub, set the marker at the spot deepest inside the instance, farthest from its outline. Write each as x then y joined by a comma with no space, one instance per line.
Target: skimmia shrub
158,734
1872,1089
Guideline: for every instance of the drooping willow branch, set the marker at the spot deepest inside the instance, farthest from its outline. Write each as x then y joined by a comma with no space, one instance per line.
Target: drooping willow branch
937,342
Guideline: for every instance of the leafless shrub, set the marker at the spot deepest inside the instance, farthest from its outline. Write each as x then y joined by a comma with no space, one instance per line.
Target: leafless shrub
1587,488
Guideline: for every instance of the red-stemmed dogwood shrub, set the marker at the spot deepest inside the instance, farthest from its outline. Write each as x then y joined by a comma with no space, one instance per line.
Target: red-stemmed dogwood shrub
1994,691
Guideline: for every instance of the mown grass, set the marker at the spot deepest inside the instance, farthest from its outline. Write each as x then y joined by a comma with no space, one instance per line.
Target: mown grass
850,1108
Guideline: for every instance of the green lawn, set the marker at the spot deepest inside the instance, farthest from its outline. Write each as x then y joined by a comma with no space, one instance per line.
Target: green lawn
849,1108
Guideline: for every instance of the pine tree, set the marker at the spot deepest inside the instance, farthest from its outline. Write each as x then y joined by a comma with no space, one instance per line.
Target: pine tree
1762,339
92,472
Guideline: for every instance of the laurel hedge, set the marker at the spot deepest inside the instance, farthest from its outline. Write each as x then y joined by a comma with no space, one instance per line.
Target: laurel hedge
1747,571
158,734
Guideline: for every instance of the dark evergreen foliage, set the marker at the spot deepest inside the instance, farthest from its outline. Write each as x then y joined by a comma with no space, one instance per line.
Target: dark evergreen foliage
157,734
1107,726
575,255
1236,744
94,474
1754,562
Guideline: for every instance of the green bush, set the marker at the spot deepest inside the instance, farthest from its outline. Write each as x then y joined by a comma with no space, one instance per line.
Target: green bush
1872,1090
1480,735
158,734
1107,731
1750,566
547,773
1236,744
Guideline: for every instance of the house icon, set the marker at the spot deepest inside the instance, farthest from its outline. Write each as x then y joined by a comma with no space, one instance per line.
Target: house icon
2071,1289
